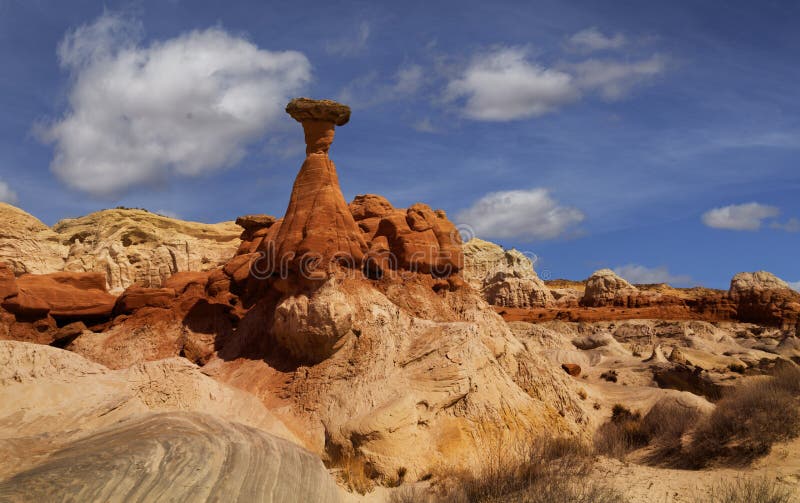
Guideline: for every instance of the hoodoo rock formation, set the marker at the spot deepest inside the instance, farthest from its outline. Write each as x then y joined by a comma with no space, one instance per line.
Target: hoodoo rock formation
399,371
318,229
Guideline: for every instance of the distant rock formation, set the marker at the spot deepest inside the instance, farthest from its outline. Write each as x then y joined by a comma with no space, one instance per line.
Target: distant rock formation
127,246
606,288
762,297
504,277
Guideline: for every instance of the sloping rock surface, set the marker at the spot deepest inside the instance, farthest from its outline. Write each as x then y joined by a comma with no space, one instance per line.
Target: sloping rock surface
72,430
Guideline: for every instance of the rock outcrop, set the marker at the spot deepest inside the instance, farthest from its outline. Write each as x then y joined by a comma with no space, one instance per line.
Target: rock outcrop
418,239
62,295
138,247
605,288
504,277
128,246
74,430
27,245
404,372
762,297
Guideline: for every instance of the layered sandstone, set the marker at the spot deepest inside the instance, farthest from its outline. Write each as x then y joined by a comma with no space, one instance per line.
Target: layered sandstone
504,277
127,246
27,245
762,297
75,430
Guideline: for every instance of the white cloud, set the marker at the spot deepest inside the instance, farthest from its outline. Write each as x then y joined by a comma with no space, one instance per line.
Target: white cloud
503,85
187,105
524,214
614,79
592,39
640,274
795,285
6,194
791,225
739,217
350,45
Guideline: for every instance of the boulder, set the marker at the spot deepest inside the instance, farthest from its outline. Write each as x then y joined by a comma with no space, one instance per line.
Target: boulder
572,369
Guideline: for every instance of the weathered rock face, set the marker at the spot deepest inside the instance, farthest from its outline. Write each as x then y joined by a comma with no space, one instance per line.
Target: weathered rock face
317,231
504,277
411,378
139,247
605,288
762,297
61,295
417,239
127,246
27,245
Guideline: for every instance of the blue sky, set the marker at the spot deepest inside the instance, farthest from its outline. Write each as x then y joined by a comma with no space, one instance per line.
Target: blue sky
659,139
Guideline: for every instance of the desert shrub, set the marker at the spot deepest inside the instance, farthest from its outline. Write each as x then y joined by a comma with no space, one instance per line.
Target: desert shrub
748,421
551,470
662,429
751,491
787,378
355,474
623,433
413,495
610,376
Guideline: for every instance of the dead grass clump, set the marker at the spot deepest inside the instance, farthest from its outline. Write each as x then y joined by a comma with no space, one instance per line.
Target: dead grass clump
747,422
622,434
752,491
551,470
661,429
355,474
787,378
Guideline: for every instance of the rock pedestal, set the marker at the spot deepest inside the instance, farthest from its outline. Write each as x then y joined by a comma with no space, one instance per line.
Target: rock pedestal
318,230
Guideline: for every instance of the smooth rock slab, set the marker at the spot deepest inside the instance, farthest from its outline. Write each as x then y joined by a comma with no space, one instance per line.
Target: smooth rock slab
176,456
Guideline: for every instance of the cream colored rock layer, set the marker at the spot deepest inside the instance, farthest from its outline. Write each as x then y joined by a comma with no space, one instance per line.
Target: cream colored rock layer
72,430
127,245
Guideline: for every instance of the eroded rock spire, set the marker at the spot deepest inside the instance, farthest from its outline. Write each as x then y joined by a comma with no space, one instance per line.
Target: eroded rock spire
318,229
